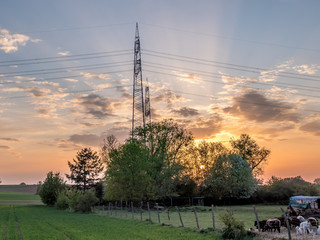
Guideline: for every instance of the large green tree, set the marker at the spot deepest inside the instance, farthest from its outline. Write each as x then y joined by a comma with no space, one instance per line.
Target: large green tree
85,169
249,150
166,143
52,186
230,177
127,173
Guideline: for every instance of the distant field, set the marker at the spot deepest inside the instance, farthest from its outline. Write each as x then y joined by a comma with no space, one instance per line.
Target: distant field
14,194
19,188
41,222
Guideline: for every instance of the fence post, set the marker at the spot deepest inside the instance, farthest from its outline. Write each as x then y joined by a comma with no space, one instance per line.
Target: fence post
121,208
141,211
213,220
148,206
180,216
287,222
257,219
132,210
196,216
102,209
115,208
126,209
157,206
109,208
169,216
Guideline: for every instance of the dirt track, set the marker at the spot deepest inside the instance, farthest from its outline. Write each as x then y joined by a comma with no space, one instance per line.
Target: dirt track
23,189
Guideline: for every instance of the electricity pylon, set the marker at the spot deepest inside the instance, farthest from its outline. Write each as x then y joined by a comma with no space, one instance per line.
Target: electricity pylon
138,111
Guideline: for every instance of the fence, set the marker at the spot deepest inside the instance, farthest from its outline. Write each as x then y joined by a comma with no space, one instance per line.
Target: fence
197,217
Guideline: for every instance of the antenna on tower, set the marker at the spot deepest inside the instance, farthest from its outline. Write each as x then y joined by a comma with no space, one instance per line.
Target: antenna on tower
147,111
138,111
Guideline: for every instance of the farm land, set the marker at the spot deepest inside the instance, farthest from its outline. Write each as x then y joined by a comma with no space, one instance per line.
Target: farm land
18,220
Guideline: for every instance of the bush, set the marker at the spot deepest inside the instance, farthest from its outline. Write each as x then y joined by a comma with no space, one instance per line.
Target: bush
51,187
82,201
62,201
234,229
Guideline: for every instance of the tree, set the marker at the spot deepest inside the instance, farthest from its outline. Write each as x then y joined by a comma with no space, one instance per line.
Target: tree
249,150
85,169
230,177
316,181
166,143
52,186
127,174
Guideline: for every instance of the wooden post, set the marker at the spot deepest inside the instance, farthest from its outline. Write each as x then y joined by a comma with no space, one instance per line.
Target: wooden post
121,208
132,210
287,222
115,208
141,211
157,206
196,216
169,217
102,209
148,206
126,209
109,208
257,219
180,217
213,220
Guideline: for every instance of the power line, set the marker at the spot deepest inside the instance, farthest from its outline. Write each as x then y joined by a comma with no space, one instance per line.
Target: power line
305,95
69,92
65,59
66,69
228,65
232,39
218,75
63,77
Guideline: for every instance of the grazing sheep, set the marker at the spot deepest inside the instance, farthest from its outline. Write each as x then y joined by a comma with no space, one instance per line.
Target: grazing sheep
272,224
313,221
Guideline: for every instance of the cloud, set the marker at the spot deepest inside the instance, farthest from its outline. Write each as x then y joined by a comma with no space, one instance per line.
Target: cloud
96,105
188,77
71,80
312,125
86,139
64,53
206,127
306,69
10,139
5,147
11,42
96,75
34,91
169,97
186,112
254,106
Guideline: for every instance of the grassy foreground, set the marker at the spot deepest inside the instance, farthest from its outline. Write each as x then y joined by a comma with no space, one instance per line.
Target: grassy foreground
41,222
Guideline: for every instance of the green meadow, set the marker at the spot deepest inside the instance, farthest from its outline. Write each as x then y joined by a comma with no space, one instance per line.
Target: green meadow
41,222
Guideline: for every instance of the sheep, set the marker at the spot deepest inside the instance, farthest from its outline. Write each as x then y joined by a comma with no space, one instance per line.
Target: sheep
272,224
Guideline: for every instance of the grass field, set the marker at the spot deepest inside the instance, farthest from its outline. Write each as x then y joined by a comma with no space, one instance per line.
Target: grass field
244,213
18,197
41,222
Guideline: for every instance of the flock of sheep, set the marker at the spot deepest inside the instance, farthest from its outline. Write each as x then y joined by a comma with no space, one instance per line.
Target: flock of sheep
302,226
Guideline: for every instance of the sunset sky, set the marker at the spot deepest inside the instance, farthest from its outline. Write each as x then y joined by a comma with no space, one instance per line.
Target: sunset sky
220,68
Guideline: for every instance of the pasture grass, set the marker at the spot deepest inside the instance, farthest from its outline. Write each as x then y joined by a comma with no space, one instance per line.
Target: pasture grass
18,197
41,222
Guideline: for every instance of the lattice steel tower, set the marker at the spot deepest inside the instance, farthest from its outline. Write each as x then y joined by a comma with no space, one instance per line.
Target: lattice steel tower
147,111
138,111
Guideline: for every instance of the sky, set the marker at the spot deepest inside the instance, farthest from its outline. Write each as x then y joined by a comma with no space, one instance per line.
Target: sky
219,68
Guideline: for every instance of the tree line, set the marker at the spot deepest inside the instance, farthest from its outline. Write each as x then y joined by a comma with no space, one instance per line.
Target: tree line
160,161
